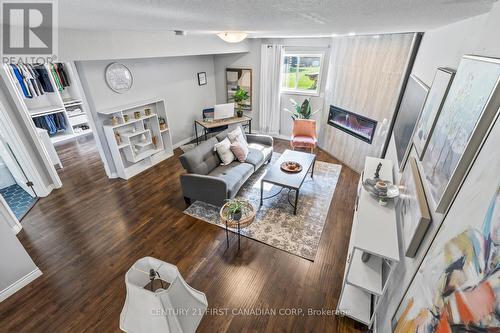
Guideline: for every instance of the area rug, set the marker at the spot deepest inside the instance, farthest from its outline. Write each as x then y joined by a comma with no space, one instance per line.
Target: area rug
274,222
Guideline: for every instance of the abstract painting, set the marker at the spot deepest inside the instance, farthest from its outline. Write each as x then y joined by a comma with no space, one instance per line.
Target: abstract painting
406,119
412,208
457,288
467,113
432,107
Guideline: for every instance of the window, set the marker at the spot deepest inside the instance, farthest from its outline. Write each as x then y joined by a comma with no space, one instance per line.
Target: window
301,73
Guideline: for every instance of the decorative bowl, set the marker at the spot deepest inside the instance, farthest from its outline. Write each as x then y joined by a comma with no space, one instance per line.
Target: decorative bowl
290,166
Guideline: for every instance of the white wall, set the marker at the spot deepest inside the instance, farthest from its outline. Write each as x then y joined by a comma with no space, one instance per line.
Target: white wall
16,267
173,79
97,45
250,59
442,47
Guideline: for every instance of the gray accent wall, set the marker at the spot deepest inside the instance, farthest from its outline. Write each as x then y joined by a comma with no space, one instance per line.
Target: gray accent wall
173,79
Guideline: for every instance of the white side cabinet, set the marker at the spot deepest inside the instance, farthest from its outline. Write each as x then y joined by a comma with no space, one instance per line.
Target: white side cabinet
374,231
135,137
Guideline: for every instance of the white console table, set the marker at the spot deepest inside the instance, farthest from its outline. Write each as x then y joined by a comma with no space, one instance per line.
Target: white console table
374,231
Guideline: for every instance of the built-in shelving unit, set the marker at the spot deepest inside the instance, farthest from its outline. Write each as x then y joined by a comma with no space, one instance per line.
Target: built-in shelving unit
68,103
374,231
137,141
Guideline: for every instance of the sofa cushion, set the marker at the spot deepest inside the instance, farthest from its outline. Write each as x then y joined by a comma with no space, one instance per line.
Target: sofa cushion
234,174
258,154
202,159
223,149
222,135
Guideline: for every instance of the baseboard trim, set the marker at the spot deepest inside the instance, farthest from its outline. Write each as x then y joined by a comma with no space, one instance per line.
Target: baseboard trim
19,284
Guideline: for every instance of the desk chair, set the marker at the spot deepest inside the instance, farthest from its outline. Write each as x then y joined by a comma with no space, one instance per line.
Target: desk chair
209,114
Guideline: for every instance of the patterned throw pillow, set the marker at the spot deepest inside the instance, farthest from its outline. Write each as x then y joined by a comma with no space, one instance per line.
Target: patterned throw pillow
223,149
240,151
237,136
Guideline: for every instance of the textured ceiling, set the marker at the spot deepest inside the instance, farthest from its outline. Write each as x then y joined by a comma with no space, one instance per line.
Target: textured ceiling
268,18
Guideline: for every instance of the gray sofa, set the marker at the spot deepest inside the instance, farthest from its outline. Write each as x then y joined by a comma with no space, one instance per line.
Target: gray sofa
209,181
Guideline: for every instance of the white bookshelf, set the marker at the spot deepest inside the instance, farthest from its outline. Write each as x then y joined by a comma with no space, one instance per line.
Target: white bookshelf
374,231
137,150
66,102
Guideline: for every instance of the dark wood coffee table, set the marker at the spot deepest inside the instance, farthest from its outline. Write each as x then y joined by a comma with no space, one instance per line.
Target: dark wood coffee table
292,181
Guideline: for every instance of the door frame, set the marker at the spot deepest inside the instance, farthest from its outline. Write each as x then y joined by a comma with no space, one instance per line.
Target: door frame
14,140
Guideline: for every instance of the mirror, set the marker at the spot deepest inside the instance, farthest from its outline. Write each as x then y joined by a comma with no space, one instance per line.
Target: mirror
239,78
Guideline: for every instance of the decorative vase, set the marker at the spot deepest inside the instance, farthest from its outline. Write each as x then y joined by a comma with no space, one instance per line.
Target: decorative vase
154,141
118,138
114,120
147,112
125,118
137,115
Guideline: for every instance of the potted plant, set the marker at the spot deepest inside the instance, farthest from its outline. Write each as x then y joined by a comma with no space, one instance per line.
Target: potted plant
234,209
239,97
302,111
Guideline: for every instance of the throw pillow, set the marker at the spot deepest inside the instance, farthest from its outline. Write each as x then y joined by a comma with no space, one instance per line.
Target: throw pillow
223,149
240,151
237,136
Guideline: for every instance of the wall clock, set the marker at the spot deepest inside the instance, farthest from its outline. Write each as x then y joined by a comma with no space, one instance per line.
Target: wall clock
118,77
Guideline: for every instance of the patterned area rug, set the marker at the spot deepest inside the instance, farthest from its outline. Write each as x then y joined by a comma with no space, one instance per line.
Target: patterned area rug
275,223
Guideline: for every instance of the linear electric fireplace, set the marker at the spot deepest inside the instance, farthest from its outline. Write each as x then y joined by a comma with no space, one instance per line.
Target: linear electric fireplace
354,124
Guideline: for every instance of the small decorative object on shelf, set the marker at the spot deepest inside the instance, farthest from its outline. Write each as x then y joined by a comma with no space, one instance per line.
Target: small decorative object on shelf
118,138
147,111
383,190
114,120
137,115
143,137
291,167
125,117
163,123
154,141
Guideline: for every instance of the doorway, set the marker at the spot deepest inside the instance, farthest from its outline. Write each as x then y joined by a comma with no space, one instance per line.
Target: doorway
15,188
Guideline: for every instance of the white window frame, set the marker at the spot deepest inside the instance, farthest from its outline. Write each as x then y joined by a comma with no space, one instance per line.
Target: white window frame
316,92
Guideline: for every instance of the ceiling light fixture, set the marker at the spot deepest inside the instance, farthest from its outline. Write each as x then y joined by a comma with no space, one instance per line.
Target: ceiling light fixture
232,36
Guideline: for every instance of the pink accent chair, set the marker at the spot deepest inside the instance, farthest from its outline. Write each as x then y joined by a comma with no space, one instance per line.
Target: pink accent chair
304,134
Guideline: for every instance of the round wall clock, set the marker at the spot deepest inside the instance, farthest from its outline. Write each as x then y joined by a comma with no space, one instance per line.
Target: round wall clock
118,77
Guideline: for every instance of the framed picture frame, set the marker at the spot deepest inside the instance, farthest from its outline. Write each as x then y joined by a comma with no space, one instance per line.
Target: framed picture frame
239,78
467,114
406,120
202,78
456,273
432,107
412,208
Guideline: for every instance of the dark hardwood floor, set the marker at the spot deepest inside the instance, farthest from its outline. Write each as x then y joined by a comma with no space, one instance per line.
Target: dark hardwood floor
86,235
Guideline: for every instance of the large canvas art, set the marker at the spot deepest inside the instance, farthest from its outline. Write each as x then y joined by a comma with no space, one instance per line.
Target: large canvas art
406,119
457,288
412,208
432,107
470,107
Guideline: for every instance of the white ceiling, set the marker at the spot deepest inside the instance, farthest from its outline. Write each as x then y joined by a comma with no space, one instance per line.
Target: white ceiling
268,18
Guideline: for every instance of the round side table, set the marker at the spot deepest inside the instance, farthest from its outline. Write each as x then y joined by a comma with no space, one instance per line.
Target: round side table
247,218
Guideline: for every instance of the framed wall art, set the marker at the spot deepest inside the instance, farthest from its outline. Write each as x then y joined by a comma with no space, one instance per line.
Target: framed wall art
412,208
239,78
202,78
469,110
432,107
455,289
406,119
